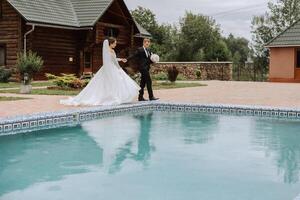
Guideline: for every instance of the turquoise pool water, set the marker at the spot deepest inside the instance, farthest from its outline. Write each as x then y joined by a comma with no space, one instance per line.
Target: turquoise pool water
155,156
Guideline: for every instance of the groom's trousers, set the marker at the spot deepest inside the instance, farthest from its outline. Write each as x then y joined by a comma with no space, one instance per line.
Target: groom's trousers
146,81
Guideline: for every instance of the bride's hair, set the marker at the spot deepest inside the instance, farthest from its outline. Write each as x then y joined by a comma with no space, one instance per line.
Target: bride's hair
111,40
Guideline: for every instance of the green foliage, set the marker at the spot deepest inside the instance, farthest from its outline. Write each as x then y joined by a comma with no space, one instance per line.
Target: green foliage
163,34
197,38
162,76
197,35
218,52
67,81
5,74
29,64
198,73
240,51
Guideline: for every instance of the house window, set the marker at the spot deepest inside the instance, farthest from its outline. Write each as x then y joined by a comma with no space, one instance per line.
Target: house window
87,60
2,55
298,58
111,32
1,9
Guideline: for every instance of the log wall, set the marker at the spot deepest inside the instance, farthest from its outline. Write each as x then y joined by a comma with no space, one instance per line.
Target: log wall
10,33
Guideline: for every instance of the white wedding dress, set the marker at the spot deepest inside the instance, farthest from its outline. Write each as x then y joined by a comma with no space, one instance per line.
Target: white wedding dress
110,86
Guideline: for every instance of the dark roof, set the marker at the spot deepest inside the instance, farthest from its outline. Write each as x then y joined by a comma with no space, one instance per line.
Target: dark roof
289,37
69,13
142,32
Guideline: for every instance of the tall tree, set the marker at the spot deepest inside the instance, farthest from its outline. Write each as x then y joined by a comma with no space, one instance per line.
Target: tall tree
239,48
199,36
163,34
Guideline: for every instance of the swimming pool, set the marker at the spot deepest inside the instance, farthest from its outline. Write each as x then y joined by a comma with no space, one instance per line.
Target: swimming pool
155,155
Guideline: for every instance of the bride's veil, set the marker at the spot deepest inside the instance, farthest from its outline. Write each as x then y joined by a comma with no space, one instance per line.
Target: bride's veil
105,53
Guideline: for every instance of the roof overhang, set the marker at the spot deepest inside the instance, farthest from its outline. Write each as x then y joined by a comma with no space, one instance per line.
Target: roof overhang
142,36
282,46
59,26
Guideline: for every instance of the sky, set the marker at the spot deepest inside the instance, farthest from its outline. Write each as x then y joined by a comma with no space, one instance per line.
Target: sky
234,16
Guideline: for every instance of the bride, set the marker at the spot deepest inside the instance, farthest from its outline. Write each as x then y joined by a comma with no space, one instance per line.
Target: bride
110,86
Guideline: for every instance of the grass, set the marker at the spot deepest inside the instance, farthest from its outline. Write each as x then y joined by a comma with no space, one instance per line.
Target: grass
156,86
169,85
12,98
34,84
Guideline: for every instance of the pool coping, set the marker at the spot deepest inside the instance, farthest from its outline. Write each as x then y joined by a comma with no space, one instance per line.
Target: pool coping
48,120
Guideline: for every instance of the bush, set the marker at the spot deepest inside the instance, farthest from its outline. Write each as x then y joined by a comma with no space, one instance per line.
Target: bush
172,74
67,81
162,76
5,74
29,64
198,73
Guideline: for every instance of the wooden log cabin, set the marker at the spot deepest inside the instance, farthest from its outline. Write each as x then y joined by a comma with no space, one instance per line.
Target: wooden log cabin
67,34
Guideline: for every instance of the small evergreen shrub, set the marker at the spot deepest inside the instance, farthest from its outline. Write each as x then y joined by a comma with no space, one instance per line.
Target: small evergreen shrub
67,81
5,74
28,65
198,73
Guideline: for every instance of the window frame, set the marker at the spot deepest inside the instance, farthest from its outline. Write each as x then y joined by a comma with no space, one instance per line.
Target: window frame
84,60
297,58
111,32
5,52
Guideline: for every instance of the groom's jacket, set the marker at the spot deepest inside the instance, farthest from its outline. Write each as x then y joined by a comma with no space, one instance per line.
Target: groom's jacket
142,59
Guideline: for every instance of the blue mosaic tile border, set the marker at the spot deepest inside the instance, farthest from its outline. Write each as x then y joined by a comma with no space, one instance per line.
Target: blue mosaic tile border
41,121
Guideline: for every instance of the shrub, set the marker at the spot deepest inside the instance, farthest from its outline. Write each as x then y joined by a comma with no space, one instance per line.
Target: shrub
5,74
29,64
67,81
172,74
198,73
162,76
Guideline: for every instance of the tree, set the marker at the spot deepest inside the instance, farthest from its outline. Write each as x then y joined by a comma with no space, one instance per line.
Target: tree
198,35
239,48
162,34
145,17
218,52
238,44
280,15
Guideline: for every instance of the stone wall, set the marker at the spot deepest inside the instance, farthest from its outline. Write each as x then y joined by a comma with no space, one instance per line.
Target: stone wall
197,70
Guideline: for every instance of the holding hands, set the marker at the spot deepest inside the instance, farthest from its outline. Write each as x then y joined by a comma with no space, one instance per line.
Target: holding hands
124,60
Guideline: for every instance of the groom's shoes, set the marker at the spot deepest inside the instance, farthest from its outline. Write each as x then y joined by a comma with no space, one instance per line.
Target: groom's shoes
154,99
142,99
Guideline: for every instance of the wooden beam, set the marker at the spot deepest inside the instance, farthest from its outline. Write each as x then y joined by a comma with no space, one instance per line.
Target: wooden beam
121,10
111,25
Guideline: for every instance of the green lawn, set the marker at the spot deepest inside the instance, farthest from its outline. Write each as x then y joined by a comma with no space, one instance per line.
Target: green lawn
34,84
169,85
156,86
12,98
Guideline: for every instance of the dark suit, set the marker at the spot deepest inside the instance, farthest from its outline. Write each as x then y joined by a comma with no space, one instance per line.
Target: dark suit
144,63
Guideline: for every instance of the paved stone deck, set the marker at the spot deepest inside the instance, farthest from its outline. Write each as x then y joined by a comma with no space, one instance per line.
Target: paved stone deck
217,92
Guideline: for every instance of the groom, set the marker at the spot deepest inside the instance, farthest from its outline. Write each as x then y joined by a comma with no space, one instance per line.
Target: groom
142,55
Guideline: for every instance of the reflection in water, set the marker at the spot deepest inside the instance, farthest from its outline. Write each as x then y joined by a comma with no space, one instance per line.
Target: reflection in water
32,158
119,141
154,156
281,140
198,129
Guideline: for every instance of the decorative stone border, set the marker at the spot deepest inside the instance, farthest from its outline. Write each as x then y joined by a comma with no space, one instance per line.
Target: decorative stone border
41,121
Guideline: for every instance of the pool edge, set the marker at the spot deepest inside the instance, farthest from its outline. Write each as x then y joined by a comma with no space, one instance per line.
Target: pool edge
28,123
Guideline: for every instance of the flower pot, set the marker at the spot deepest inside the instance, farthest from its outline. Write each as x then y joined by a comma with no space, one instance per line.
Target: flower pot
25,89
